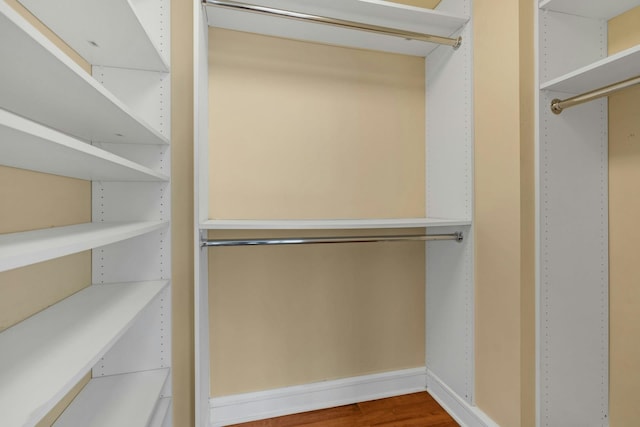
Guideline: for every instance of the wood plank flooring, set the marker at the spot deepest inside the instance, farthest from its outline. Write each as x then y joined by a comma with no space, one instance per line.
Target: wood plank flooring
410,410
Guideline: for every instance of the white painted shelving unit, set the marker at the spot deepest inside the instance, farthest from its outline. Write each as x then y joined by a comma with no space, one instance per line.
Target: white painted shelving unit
449,170
110,128
572,209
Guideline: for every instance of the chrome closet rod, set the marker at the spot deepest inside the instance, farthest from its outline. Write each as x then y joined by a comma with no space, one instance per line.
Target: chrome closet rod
448,41
316,240
557,105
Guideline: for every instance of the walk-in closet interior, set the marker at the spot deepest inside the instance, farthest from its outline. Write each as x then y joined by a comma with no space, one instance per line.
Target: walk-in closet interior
85,250
222,211
334,122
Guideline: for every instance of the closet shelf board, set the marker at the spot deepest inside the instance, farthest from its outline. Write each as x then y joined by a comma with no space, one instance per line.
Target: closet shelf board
603,9
371,12
613,69
330,224
108,33
40,82
29,145
161,413
44,356
117,400
30,247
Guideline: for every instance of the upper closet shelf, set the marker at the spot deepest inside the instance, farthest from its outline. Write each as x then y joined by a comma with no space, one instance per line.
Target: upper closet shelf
602,9
40,82
44,356
613,69
116,400
369,12
30,247
28,145
330,224
111,33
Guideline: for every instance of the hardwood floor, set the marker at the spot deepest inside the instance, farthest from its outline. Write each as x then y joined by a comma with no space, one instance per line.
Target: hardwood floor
411,410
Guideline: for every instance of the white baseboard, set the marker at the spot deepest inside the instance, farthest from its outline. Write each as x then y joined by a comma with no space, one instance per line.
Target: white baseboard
308,397
464,413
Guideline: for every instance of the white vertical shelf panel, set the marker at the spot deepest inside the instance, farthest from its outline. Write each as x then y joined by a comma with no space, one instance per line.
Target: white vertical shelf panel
604,9
574,265
131,201
202,378
372,12
146,93
44,356
163,411
450,313
449,166
103,32
30,247
135,259
449,140
145,346
585,38
75,104
118,400
28,145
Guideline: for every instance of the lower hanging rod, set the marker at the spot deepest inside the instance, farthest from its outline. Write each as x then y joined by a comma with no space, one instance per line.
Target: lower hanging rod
409,35
557,105
317,240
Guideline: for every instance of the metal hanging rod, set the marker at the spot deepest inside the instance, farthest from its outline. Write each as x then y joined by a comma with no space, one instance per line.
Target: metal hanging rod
410,35
557,105
317,240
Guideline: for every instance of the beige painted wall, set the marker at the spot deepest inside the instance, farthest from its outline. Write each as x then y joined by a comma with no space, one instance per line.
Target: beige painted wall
624,210
302,130
504,211
182,368
284,316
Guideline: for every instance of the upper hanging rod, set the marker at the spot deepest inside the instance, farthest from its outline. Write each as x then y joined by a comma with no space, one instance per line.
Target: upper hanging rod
316,240
410,35
558,105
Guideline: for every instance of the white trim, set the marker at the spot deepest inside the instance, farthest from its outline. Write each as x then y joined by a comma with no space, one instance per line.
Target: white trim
308,397
465,414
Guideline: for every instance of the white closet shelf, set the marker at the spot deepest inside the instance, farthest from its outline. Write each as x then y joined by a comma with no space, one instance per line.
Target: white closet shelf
30,247
370,12
606,9
29,145
44,356
615,68
109,33
117,400
330,224
162,411
75,104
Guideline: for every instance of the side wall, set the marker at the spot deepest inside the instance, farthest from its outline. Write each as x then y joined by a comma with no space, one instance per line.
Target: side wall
624,210
504,211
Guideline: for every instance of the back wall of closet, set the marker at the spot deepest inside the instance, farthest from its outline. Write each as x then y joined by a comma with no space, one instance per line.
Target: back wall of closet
320,132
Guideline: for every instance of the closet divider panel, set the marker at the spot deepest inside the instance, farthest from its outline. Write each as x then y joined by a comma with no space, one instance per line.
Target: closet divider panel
201,215
572,218
147,345
449,166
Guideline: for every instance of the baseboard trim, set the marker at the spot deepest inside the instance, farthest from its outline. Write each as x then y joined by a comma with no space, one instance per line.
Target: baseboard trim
464,413
309,397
